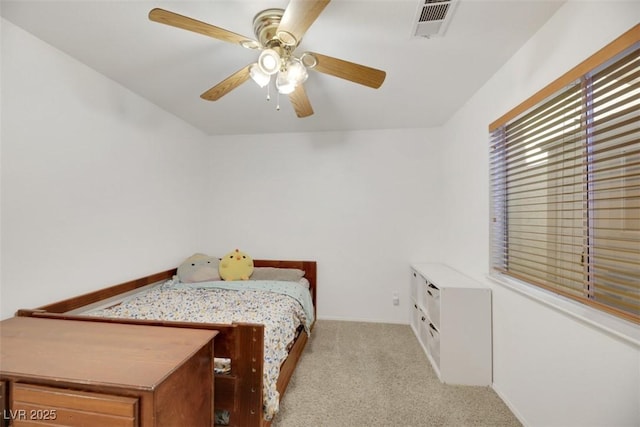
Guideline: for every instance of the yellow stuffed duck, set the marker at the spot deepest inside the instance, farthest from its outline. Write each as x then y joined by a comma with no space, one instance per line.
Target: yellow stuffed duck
236,265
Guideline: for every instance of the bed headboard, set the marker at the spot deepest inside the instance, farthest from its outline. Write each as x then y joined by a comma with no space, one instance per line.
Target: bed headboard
309,268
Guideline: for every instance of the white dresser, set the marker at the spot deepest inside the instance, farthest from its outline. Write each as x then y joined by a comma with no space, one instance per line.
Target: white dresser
451,317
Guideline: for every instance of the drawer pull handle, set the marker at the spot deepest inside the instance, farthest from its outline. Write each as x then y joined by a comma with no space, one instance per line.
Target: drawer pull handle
433,327
430,294
432,286
424,318
415,305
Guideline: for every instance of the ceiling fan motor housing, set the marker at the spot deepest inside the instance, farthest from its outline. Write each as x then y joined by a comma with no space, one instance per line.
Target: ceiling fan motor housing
265,27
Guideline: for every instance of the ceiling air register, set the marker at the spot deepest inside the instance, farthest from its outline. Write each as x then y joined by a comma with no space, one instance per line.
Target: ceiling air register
433,17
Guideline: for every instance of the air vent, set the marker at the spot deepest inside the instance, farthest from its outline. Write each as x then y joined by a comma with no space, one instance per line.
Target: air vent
433,17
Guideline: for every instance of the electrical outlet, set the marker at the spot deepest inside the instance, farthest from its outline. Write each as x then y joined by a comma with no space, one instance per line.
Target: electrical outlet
396,299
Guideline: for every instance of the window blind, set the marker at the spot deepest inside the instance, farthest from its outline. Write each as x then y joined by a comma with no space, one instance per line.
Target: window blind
565,185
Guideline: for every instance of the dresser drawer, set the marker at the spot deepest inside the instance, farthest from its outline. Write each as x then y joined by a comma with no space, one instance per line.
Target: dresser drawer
421,289
415,285
433,304
423,323
418,316
40,405
433,343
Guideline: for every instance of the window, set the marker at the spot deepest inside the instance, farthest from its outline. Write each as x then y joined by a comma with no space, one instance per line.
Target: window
565,184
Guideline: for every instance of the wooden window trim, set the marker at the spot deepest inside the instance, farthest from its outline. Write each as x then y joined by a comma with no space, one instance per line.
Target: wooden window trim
623,42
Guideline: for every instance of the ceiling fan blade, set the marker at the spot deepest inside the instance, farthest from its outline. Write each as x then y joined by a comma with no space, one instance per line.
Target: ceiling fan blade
227,85
356,73
298,17
300,102
170,18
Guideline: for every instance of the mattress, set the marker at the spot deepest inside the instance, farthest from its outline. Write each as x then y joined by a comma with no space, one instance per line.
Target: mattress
282,307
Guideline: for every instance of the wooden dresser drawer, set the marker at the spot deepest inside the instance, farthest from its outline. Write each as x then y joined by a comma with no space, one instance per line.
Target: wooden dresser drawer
40,405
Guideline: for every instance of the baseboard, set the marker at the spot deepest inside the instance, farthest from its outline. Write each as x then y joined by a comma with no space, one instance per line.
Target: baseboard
350,319
511,407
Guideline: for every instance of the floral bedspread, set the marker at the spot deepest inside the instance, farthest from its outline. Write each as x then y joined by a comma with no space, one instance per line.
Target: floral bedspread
281,314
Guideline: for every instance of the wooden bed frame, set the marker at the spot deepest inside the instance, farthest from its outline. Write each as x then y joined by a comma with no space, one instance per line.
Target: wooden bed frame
239,392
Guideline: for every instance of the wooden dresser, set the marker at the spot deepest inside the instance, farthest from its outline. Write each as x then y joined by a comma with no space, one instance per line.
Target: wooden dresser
77,373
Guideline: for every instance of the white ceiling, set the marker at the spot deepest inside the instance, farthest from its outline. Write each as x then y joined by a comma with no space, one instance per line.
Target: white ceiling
427,79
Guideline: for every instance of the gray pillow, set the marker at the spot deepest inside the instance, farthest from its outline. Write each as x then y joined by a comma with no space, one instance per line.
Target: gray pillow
274,273
199,268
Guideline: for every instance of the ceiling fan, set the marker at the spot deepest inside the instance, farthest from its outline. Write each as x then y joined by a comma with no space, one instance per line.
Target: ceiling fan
278,33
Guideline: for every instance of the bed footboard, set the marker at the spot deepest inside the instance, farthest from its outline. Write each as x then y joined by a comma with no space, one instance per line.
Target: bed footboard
240,391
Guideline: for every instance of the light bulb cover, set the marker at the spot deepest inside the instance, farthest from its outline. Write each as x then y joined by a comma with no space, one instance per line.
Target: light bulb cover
291,75
284,83
258,76
297,71
269,61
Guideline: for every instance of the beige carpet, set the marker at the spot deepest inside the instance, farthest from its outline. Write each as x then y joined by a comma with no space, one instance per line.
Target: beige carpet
370,374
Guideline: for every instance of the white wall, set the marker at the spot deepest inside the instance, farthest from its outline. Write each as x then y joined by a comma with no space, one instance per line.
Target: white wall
360,203
552,369
98,185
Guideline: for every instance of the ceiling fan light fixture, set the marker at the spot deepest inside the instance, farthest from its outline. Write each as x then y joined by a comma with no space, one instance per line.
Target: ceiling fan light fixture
292,75
269,61
284,84
258,76
297,71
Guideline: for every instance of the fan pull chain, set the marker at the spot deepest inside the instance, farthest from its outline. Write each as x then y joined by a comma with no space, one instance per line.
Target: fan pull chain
278,101
268,95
